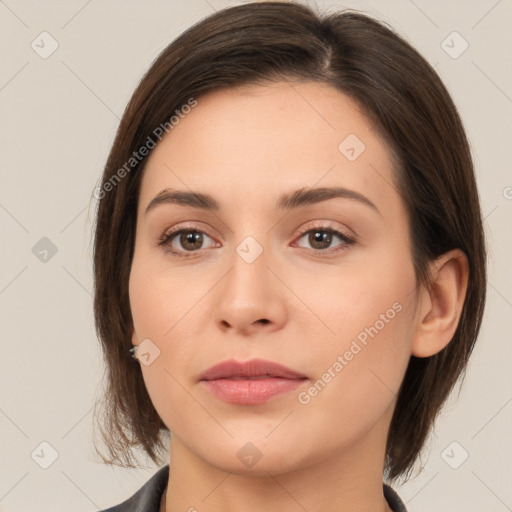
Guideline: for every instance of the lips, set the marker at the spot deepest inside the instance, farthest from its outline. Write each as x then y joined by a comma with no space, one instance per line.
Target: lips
254,368
250,382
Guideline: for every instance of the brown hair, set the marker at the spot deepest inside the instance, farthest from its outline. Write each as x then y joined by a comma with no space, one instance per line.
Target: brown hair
405,99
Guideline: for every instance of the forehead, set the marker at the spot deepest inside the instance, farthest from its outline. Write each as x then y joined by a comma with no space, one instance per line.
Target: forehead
265,139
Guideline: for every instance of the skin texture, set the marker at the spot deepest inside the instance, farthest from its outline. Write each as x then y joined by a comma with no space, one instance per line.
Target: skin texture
245,147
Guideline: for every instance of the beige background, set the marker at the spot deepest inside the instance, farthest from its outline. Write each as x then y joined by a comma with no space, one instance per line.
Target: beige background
58,119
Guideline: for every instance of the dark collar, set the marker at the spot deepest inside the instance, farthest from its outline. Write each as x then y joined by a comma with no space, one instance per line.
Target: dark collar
394,501
147,498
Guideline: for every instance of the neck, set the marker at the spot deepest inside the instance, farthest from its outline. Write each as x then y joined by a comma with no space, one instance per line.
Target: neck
342,482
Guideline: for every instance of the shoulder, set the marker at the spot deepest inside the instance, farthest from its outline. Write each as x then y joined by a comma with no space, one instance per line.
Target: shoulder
147,498
394,501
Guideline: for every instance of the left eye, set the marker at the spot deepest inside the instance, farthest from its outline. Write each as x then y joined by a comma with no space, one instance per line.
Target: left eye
321,238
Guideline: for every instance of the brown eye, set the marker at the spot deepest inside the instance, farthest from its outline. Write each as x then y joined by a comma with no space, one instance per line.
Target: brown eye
191,240
320,239
185,241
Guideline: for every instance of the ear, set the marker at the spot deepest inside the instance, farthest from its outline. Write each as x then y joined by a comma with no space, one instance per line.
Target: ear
441,303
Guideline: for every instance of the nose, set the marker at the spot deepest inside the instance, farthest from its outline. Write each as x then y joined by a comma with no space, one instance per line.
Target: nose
250,297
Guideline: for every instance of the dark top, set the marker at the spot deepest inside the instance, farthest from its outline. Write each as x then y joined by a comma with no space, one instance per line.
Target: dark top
148,497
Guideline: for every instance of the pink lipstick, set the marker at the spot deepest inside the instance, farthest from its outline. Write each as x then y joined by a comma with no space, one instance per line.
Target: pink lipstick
250,382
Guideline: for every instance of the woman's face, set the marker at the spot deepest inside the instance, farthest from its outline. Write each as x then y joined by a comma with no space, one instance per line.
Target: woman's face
264,276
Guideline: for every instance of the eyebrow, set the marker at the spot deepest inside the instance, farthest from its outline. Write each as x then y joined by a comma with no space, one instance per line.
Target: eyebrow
296,199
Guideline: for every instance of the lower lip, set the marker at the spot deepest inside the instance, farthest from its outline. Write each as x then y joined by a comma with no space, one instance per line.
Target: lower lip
251,391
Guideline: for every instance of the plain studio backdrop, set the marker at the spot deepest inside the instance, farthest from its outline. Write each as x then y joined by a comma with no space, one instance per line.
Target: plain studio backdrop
68,69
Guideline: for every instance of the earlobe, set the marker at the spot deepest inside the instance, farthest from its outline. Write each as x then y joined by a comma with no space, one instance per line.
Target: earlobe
441,304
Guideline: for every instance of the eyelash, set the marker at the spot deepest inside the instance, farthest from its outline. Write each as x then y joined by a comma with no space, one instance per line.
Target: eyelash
169,236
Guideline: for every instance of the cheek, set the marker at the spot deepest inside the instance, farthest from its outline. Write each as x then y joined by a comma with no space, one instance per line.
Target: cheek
368,314
360,298
357,377
164,307
162,299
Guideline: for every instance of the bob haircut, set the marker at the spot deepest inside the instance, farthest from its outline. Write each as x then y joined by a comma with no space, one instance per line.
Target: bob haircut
403,97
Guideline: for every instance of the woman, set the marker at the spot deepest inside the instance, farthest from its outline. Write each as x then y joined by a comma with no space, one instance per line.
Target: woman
289,244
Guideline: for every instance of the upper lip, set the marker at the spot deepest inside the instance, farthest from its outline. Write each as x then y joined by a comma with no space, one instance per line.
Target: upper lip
250,368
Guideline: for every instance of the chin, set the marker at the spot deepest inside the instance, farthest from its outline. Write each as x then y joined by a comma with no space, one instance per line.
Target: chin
258,458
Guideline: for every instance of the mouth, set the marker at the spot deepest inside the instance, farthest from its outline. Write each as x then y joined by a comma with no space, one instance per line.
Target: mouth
250,382
253,368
